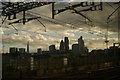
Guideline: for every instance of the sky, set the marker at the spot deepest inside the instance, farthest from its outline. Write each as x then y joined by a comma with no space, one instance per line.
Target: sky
66,24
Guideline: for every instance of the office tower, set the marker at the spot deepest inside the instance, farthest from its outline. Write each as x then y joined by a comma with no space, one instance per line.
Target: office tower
81,44
28,47
21,50
13,50
39,51
52,49
62,46
82,49
75,49
66,40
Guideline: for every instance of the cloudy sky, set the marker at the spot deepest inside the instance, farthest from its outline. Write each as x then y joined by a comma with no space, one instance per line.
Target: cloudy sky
65,24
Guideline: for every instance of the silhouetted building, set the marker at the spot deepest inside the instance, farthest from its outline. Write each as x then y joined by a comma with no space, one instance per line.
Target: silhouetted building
75,49
86,50
13,50
66,40
81,44
52,49
62,47
45,52
28,47
97,52
21,50
39,51
82,49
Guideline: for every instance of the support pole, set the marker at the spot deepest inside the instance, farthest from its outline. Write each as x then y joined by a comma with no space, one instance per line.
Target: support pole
23,17
53,10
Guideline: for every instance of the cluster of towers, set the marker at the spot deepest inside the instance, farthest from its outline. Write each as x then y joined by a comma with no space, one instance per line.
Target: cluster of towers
76,48
19,50
64,45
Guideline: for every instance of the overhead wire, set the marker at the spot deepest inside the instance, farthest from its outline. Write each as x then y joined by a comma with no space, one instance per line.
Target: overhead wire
110,5
52,20
57,20
42,24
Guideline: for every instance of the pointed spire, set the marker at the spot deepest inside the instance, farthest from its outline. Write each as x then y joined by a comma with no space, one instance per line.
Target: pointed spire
27,46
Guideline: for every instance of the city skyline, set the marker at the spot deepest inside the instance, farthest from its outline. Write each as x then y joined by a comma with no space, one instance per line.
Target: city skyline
63,47
72,41
77,48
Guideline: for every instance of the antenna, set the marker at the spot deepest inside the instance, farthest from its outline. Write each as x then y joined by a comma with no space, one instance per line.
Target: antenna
108,20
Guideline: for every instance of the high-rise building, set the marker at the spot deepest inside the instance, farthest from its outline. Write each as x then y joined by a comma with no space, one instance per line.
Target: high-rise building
66,40
13,50
62,47
52,49
82,49
39,51
81,44
75,49
28,47
21,50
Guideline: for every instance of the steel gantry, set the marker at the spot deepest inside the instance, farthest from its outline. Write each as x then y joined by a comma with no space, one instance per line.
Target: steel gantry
11,9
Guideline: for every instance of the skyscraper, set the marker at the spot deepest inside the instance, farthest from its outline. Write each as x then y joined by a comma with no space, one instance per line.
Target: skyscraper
75,49
81,45
62,48
13,50
52,49
39,51
66,40
21,50
82,49
81,42
28,47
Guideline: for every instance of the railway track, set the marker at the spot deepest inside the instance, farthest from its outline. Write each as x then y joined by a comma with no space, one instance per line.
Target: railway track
112,73
105,74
